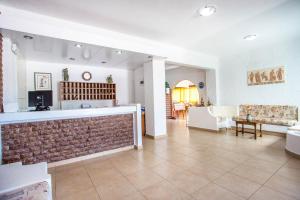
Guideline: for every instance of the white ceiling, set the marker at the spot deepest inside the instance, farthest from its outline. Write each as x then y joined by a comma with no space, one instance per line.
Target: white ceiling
176,22
46,49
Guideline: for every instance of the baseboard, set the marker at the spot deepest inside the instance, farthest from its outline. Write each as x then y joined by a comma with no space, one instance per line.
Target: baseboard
156,137
140,147
204,129
95,155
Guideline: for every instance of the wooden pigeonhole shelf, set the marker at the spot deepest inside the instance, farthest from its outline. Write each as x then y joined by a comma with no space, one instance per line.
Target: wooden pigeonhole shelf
87,91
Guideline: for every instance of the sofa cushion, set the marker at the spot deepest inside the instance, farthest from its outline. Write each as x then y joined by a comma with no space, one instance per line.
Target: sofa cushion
271,114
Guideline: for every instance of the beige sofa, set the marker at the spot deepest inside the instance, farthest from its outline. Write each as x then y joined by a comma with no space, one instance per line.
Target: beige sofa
281,115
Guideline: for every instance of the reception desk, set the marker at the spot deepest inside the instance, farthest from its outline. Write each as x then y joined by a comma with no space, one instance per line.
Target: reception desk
64,136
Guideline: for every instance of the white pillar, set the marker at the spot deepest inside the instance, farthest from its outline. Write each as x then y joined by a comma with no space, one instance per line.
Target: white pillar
138,144
155,105
10,81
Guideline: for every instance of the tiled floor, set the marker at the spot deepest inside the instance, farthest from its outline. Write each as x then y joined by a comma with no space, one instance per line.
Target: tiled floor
188,164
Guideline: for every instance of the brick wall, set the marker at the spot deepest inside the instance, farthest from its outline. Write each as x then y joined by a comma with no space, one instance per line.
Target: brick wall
1,74
57,140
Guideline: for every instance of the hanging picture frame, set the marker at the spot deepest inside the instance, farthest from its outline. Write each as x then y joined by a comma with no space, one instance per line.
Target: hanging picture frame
266,76
42,81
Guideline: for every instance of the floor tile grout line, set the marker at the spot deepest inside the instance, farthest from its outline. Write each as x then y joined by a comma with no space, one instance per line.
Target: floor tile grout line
269,179
94,186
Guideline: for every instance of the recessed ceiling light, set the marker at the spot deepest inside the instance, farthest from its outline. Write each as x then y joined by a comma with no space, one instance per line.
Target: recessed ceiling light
119,52
103,62
207,10
28,37
78,45
71,58
250,37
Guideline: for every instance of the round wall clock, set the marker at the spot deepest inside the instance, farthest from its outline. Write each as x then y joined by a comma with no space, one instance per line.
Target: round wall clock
86,76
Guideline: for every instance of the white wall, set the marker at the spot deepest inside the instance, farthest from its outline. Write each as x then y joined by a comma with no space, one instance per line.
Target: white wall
10,62
123,78
139,96
174,76
211,77
22,88
233,76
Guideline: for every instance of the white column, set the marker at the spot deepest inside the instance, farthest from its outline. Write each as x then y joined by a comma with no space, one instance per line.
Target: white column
154,88
10,81
138,144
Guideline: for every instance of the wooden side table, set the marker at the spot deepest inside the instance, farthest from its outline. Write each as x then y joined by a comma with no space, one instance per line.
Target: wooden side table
251,123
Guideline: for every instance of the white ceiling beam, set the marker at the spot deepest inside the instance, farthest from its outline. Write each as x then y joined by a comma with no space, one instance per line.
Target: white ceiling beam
29,22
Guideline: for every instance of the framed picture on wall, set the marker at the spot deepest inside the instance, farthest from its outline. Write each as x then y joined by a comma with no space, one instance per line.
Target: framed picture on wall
42,81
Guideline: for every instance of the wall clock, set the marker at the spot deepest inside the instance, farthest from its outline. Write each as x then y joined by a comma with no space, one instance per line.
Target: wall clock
86,76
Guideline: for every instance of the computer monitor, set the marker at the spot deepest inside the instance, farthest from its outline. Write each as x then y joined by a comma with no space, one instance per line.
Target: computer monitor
40,99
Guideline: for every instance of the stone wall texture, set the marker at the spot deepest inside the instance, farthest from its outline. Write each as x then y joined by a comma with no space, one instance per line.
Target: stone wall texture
1,74
56,140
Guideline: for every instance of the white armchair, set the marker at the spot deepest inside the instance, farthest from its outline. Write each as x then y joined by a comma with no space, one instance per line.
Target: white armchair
212,118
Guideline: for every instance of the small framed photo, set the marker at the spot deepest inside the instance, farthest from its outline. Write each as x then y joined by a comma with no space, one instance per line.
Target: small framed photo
42,81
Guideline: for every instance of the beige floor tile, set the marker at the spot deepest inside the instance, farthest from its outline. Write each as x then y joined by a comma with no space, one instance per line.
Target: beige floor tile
51,170
70,172
72,184
183,161
237,185
68,166
166,170
134,196
293,163
284,185
164,191
189,159
215,192
262,165
266,193
144,178
235,157
273,155
209,172
115,189
102,176
257,175
223,164
98,164
188,182
88,194
291,173
129,168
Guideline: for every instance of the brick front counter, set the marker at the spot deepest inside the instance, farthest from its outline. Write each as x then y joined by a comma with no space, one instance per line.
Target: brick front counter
56,140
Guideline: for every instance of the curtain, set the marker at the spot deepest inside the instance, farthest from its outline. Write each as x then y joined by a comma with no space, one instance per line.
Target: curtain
186,95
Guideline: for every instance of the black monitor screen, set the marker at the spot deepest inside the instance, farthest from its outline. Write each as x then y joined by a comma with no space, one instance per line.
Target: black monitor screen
42,98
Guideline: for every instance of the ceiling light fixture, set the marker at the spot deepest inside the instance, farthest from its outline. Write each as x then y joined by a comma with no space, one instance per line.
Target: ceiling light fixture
250,37
28,37
207,10
78,45
71,58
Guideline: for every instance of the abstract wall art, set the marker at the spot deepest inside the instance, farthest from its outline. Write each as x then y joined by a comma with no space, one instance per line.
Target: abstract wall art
266,76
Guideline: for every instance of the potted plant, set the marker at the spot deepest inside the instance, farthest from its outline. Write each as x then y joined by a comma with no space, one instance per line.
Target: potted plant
167,86
109,79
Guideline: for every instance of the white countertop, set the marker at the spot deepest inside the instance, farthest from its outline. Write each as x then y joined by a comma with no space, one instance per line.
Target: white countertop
295,128
18,117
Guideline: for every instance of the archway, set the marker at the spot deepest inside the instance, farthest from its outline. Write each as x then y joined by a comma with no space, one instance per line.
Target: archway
184,94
